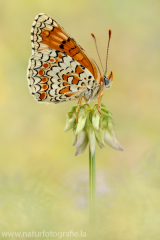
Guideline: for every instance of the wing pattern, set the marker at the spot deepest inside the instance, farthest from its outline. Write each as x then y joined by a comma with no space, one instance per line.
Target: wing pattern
59,68
47,33
53,76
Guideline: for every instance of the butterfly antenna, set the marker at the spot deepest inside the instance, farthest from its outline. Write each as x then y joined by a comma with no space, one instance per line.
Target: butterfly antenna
107,50
97,49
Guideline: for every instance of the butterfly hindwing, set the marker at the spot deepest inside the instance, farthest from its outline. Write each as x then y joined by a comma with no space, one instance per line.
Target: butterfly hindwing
53,76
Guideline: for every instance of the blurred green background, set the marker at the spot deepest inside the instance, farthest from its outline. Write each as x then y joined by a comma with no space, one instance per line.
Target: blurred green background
43,186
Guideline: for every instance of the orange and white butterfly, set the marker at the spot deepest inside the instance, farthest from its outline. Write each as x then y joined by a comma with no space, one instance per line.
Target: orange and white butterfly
59,69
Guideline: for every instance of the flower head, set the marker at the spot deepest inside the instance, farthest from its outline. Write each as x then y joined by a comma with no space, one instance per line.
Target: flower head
92,126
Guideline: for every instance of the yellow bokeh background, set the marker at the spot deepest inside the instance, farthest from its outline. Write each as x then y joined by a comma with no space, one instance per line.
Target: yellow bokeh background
43,185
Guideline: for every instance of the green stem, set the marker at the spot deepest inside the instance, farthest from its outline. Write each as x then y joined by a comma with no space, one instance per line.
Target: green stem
92,193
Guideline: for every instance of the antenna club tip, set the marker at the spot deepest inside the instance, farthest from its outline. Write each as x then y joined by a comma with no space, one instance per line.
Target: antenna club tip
110,33
92,35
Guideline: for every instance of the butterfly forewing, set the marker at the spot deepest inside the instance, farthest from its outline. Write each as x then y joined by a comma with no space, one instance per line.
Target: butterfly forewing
47,33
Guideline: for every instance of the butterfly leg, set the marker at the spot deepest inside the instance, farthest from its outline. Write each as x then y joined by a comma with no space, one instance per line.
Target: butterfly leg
85,98
79,106
100,98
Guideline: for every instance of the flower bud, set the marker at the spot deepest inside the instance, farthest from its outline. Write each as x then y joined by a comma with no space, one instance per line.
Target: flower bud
81,120
71,117
95,119
100,137
82,147
110,137
74,137
103,121
81,136
92,141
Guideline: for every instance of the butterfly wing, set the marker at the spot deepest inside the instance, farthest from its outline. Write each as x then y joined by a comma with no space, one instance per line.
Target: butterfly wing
54,76
47,33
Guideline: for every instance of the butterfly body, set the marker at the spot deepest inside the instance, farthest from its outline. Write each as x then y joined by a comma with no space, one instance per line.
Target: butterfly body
59,69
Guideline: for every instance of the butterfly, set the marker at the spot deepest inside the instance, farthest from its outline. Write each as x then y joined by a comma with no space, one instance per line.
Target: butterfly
60,69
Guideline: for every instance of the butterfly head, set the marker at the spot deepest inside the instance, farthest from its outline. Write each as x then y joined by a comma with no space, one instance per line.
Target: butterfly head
108,80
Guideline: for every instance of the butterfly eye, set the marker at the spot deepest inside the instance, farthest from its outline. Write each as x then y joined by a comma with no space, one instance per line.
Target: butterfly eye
106,81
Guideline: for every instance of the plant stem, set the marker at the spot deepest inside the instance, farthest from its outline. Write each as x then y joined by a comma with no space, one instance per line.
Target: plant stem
92,193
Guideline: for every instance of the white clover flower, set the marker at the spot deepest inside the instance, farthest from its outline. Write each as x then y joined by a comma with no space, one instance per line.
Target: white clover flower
91,127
